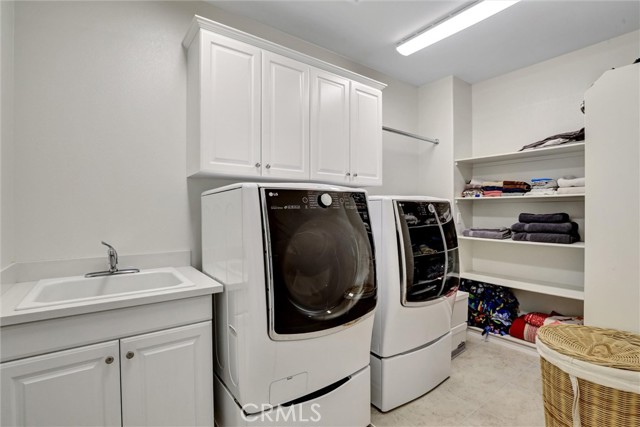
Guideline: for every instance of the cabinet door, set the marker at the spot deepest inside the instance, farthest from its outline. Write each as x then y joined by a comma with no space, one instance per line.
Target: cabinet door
230,106
285,117
167,378
79,387
329,127
366,135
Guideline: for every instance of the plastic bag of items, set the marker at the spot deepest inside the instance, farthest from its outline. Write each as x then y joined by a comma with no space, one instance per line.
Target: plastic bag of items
492,308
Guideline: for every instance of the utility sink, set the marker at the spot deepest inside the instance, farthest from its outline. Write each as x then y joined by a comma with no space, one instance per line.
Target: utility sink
78,289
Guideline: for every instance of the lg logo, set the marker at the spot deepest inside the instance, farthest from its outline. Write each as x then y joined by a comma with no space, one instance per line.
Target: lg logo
271,194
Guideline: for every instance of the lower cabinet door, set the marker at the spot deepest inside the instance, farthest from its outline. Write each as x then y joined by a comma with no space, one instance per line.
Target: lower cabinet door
78,387
167,377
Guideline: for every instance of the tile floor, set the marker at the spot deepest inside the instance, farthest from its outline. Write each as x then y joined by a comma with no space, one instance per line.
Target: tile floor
490,385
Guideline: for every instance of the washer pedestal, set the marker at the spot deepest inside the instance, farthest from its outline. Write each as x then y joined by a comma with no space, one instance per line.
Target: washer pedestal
399,379
347,405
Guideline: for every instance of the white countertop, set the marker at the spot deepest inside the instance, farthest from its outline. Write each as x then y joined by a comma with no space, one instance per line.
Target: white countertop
13,294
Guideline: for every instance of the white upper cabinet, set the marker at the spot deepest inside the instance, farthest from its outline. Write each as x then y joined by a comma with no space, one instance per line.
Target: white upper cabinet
258,110
225,122
366,135
285,117
329,128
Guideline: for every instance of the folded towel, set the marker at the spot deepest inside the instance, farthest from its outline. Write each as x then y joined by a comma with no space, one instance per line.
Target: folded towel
521,185
530,332
542,192
571,182
502,233
472,187
491,188
517,328
492,193
514,190
543,183
535,318
553,217
544,238
567,320
492,184
472,193
536,227
571,190
500,229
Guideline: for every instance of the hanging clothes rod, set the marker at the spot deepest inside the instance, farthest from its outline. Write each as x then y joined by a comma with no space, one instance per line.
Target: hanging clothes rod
411,135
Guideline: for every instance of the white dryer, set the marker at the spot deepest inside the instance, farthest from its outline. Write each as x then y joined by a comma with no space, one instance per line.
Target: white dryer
293,325
418,275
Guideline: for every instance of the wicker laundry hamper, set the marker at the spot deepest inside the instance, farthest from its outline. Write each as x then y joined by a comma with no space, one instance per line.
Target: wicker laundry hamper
590,376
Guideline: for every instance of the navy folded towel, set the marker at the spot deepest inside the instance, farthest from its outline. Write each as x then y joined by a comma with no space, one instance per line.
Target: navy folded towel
547,218
545,238
546,227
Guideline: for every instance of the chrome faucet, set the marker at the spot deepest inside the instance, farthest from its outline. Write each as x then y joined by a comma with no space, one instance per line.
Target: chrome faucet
112,256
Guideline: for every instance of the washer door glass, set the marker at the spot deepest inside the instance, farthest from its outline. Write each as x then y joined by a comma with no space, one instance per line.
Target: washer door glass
430,246
321,259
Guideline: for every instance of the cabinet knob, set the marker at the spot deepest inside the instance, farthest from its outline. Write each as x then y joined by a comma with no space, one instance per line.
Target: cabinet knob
109,360
355,174
348,174
130,355
258,164
268,166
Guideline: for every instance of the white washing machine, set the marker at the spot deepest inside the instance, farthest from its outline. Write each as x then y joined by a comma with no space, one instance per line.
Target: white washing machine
418,276
293,325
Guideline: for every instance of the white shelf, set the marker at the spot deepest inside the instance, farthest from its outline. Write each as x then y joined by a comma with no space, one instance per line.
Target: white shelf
534,154
505,338
577,245
548,288
555,198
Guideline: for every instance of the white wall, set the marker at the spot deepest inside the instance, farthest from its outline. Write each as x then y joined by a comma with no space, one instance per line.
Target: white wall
529,104
445,114
7,244
506,112
100,101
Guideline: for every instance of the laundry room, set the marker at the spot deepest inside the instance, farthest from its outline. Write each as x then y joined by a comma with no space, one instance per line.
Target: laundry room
320,213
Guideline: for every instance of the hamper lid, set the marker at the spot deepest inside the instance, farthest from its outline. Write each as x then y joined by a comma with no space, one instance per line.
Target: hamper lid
604,347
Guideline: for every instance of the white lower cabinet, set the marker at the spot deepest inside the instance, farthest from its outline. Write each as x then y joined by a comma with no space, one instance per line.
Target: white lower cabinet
167,378
157,379
78,387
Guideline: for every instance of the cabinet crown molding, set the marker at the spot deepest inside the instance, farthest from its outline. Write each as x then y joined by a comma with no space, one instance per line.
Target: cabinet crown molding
200,23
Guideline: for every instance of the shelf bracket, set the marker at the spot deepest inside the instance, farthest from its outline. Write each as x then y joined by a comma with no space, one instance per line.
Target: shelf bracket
411,135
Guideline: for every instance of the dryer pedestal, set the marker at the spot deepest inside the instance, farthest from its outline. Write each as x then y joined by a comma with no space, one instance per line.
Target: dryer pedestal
347,405
397,380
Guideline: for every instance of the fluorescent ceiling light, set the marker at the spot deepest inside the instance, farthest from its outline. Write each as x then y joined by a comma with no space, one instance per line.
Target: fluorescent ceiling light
458,22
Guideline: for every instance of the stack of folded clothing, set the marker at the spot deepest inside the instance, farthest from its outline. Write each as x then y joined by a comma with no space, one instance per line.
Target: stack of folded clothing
526,326
491,308
488,233
473,188
571,185
543,187
546,228
515,188
492,188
